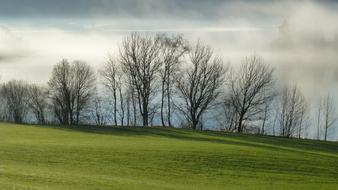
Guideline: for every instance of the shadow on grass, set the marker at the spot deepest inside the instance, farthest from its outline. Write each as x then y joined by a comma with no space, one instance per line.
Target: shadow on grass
257,141
308,144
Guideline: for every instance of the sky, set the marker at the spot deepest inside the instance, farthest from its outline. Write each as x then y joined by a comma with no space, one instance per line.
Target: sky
298,38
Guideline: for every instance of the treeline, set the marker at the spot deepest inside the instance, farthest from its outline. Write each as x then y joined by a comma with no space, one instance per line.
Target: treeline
164,80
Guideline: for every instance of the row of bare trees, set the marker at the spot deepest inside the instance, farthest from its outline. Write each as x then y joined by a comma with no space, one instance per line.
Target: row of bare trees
20,98
326,116
165,80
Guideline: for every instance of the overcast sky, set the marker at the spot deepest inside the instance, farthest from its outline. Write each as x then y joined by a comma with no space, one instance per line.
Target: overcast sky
299,38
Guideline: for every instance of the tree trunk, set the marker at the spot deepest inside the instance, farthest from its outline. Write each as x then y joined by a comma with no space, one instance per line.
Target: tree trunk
162,102
134,108
145,114
300,126
77,117
128,111
145,120
121,106
115,108
265,118
326,126
194,124
169,104
318,123
240,123
263,126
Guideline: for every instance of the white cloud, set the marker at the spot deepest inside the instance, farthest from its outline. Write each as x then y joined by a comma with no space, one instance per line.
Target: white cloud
12,46
49,46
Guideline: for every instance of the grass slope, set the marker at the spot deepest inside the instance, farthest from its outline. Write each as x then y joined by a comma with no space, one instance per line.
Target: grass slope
138,158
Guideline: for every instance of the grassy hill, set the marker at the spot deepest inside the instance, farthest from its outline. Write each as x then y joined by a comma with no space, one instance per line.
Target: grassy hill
153,158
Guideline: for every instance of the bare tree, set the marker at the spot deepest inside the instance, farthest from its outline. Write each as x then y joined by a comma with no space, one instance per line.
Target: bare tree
200,84
128,101
329,114
15,94
140,60
229,116
172,50
275,118
225,114
38,102
265,116
71,87
60,90
122,106
128,108
302,120
251,87
98,112
153,112
84,86
292,110
4,115
111,76
319,112
131,104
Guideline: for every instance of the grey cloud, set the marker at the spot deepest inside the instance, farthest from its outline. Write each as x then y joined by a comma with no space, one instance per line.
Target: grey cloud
186,9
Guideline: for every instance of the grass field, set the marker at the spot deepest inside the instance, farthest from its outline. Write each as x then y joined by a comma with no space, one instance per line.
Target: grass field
137,158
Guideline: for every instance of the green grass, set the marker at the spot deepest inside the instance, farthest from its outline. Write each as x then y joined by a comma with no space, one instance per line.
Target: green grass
153,158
